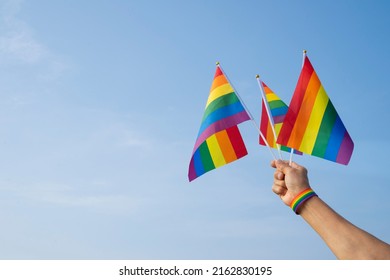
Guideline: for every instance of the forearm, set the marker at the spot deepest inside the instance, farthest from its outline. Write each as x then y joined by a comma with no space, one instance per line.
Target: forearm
344,239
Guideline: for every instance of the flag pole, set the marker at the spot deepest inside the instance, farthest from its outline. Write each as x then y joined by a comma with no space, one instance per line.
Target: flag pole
268,112
303,62
248,112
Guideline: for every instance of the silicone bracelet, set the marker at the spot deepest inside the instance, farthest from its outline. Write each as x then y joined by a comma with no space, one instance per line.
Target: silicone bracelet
301,198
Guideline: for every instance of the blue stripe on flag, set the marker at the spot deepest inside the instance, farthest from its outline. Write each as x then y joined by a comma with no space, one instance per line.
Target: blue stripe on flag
221,113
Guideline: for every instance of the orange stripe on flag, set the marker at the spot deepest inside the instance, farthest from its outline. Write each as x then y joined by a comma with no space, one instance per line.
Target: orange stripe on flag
270,136
304,112
266,89
226,146
218,81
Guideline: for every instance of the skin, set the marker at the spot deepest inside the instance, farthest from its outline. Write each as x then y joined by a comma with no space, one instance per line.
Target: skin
346,240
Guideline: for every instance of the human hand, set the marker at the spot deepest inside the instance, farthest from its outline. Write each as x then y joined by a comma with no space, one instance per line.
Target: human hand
289,181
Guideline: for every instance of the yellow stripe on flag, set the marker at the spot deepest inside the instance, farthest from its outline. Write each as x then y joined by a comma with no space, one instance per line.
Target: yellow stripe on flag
218,81
313,126
271,97
278,127
218,92
215,151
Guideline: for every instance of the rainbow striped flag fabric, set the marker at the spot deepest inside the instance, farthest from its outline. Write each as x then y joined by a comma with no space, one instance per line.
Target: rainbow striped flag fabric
312,124
219,141
277,110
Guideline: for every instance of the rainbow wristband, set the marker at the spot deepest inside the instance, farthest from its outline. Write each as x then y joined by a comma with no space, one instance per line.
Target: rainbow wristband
301,198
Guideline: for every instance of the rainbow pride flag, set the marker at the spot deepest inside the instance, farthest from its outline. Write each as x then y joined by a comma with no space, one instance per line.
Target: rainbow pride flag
219,141
312,124
277,110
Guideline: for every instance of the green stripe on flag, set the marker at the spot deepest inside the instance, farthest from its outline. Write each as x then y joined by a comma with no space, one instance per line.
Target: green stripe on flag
220,102
207,161
325,130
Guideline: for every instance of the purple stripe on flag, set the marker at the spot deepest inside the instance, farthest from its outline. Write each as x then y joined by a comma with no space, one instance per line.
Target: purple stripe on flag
278,119
221,125
346,150
191,170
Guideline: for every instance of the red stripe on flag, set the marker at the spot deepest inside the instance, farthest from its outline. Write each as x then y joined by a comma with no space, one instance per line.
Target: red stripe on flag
237,142
218,72
264,125
296,102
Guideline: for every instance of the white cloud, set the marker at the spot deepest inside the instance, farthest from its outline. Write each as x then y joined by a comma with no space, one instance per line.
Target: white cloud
134,139
67,196
10,7
18,43
16,39
117,133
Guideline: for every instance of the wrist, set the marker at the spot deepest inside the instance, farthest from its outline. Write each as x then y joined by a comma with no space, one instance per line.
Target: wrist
301,198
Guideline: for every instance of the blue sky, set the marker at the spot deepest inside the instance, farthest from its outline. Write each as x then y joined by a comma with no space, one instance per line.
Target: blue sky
101,102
